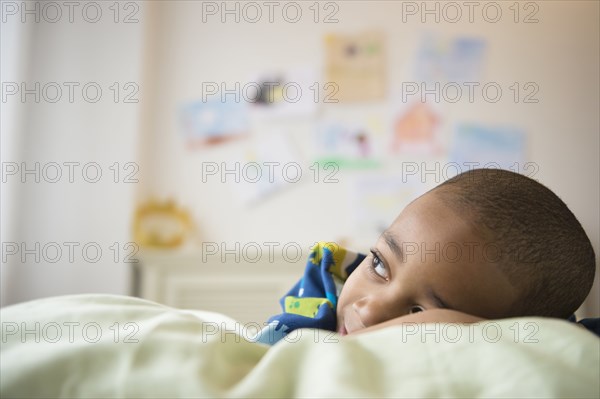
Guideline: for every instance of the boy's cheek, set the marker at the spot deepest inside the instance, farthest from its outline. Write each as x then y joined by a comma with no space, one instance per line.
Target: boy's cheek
350,290
340,305
344,300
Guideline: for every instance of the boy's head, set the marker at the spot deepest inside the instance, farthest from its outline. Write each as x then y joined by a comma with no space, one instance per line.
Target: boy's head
491,243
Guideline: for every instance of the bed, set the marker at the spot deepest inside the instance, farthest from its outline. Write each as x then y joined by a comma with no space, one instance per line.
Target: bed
105,346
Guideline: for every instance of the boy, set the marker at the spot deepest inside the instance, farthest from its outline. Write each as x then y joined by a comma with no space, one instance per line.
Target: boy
486,244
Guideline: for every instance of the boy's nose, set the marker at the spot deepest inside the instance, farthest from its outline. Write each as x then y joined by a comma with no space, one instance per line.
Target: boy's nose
374,310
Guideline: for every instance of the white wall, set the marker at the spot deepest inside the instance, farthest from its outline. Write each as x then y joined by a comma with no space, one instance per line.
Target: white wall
103,132
13,59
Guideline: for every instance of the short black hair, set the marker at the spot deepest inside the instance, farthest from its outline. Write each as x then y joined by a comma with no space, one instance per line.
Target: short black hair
550,259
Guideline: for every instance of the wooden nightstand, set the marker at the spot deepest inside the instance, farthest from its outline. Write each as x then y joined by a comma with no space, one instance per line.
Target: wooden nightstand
245,291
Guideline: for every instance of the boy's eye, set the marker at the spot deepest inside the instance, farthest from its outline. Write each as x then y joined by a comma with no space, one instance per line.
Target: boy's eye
378,267
416,309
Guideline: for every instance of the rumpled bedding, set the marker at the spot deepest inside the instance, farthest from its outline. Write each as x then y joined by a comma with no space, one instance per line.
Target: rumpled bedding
105,346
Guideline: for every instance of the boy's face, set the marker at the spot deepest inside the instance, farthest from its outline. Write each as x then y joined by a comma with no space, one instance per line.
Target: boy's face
430,257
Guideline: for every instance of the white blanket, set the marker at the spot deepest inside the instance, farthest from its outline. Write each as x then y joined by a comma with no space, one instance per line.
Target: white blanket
109,346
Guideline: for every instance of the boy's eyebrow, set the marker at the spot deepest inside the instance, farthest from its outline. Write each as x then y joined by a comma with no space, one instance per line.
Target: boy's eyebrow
393,244
439,301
